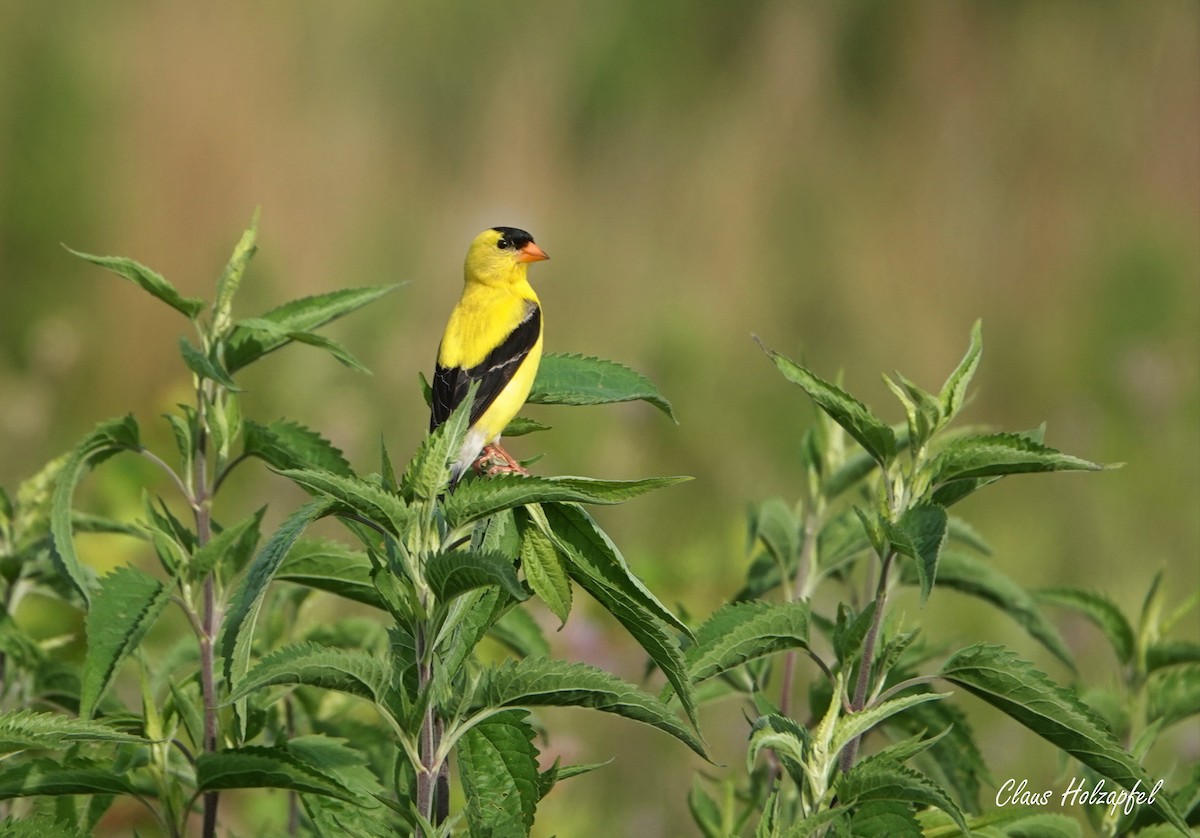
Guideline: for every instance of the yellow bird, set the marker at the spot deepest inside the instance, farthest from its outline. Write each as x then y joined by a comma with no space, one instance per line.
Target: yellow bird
494,337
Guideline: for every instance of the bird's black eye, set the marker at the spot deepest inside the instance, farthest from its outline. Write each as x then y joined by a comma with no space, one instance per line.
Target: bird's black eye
504,244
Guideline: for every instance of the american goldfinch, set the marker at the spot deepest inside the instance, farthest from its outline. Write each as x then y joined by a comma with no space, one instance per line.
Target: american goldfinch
494,337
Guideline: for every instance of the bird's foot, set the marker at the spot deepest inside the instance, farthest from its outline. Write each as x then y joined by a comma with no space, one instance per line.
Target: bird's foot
495,460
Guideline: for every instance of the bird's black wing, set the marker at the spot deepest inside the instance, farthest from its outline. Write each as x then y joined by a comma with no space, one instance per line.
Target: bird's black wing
450,384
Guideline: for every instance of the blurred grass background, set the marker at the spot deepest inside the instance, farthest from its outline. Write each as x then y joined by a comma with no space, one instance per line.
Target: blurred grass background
856,183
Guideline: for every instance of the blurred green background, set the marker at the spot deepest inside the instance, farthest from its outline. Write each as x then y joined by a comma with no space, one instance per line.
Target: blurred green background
856,183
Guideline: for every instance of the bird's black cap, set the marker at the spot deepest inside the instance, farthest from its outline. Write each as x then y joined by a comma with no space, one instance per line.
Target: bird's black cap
512,237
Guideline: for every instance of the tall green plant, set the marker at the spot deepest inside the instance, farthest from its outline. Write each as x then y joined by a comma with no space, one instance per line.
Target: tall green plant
876,514
356,720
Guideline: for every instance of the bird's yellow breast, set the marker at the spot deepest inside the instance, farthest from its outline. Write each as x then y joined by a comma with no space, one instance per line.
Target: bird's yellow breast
483,318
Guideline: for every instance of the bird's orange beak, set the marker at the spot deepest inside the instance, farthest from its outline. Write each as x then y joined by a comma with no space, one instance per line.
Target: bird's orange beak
531,253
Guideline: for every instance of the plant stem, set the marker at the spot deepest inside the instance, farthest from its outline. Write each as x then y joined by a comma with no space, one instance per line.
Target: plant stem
202,507
804,575
868,659
427,741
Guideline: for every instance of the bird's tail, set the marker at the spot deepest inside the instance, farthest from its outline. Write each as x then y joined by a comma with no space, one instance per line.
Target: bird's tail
471,447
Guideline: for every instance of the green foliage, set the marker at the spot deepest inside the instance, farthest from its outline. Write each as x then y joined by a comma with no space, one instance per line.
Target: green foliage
249,701
868,519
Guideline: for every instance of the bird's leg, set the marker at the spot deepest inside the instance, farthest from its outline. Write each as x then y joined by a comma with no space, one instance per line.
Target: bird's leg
495,460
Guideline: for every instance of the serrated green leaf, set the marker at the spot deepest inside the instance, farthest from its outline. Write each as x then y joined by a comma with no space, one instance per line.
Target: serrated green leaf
337,350
231,277
996,455
231,547
970,575
355,496
284,444
954,391
40,826
313,665
22,730
475,499
148,280
544,682
1174,694
204,366
787,739
248,345
452,574
257,767
850,726
884,819
1028,696
744,631
124,608
106,438
1101,611
925,526
597,566
237,633
580,380
46,777
497,762
435,463
545,572
878,780
954,759
332,567
870,432
522,425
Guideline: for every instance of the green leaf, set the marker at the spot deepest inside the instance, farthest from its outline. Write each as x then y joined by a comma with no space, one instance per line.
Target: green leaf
331,566
40,826
580,380
25,730
544,682
1174,694
106,438
46,777
545,571
885,819
953,759
995,455
337,350
355,496
596,564
148,280
925,526
881,780
497,762
521,425
258,767
520,633
452,574
774,522
1101,611
313,665
284,444
744,631
435,463
786,739
248,345
970,575
870,432
704,810
124,608
1171,653
954,391
231,277
237,633
204,366
230,548
853,725
1054,713
922,412
475,499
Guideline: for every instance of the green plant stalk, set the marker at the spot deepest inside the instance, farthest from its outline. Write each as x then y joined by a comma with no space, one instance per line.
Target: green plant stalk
202,507
863,682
